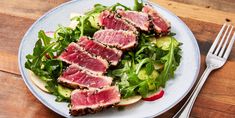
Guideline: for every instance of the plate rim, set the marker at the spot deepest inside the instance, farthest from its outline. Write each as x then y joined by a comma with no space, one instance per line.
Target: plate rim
26,80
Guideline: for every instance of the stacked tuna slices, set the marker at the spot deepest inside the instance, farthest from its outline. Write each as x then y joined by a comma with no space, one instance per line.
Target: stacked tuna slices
90,58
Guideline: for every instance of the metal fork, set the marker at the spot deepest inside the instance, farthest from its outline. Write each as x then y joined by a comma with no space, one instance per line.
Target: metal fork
216,58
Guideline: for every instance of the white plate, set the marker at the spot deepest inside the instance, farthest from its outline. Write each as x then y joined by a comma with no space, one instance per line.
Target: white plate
175,90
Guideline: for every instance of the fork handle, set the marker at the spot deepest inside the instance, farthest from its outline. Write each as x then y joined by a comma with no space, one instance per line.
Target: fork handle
185,110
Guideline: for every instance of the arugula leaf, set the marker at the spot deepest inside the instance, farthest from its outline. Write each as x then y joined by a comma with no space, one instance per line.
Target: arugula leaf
149,68
52,87
49,69
135,86
177,56
138,5
41,48
64,36
44,37
54,67
85,26
143,88
146,60
172,34
128,91
170,65
133,79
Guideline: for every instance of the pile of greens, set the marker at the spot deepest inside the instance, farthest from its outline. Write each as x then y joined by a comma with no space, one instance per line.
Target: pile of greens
141,71
146,68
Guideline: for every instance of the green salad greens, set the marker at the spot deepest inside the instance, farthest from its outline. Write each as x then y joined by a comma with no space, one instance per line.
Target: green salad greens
147,68
142,70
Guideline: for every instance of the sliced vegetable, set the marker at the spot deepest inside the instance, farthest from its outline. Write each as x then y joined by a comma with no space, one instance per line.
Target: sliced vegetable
154,74
64,92
129,101
94,20
164,42
38,82
154,96
143,74
158,66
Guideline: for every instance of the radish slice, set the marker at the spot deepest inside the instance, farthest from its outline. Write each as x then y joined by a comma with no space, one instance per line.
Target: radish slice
155,96
38,82
128,101
50,34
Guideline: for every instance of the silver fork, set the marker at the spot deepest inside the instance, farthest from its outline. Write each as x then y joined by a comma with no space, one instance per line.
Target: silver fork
216,58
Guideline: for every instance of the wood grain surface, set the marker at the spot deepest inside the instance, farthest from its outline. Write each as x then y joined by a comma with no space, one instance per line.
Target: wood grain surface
216,100
224,5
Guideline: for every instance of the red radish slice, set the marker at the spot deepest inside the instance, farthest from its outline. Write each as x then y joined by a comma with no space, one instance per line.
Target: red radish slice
128,101
48,57
154,96
50,34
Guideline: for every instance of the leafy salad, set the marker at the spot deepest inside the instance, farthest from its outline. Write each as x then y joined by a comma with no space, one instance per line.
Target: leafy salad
142,70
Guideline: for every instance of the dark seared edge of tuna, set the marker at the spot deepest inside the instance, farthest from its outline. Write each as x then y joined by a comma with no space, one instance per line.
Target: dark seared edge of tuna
80,112
74,54
109,20
116,38
77,77
138,19
93,100
160,24
95,48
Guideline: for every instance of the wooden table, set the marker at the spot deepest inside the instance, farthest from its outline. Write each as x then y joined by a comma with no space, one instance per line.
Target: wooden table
204,18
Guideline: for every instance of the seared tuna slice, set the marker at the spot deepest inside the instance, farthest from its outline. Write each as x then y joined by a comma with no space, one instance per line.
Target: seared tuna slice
113,55
76,55
93,100
138,19
109,20
118,38
76,77
160,25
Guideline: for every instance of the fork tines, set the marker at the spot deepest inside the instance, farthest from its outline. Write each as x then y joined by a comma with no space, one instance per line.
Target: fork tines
223,49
